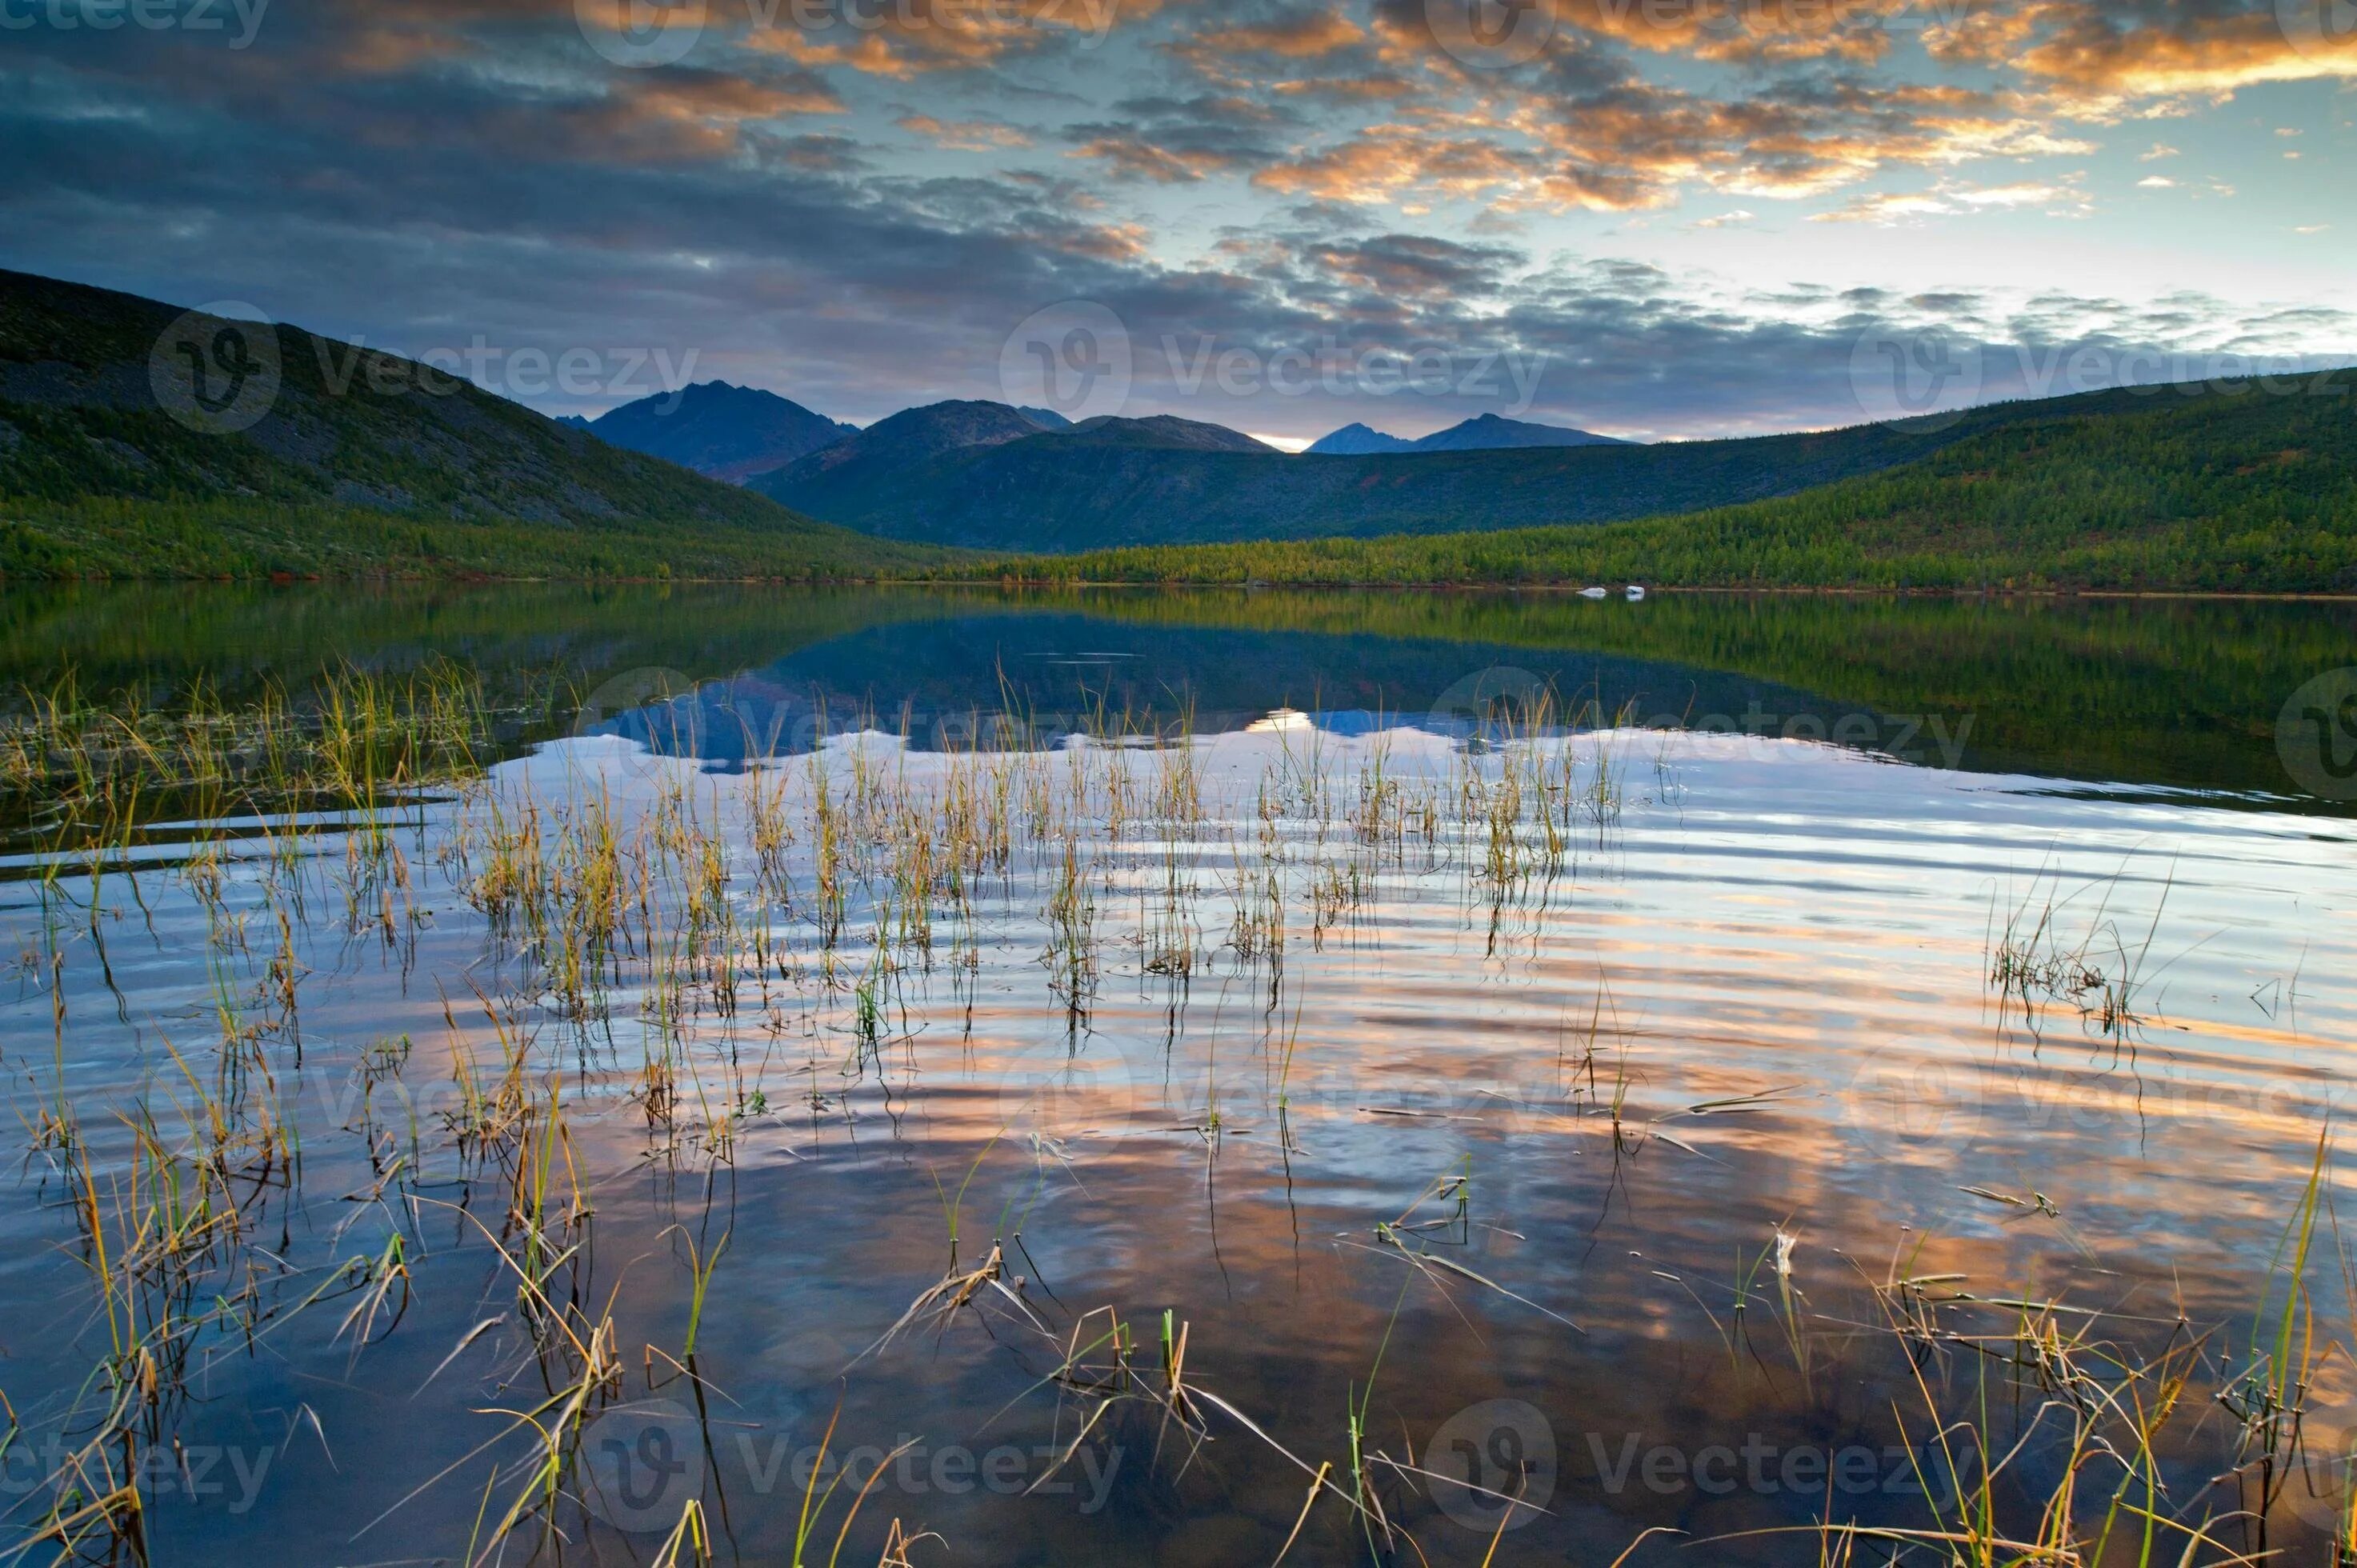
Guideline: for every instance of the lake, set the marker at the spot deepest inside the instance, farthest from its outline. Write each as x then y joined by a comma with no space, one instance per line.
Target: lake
857,1075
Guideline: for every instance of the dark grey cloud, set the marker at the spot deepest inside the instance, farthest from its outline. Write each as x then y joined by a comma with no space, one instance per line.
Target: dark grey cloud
418,174
1174,140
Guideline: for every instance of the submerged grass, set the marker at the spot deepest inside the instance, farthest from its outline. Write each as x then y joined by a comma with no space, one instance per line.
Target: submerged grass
692,951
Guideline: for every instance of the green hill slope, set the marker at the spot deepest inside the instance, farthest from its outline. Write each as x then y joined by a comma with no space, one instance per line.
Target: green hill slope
131,444
2236,488
1043,493
136,443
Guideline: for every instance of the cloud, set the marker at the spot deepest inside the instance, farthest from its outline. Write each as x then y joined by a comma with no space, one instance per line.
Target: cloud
1391,161
964,136
907,38
2062,198
1177,140
2099,55
1411,266
1266,171
1295,36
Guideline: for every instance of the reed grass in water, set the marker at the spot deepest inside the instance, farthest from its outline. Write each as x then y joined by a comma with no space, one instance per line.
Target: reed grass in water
701,949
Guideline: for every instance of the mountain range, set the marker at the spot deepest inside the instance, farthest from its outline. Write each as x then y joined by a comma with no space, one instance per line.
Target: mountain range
722,432
982,476
127,448
741,434
1486,433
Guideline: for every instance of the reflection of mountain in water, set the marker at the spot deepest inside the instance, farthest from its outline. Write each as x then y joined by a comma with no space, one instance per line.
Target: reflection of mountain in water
1035,680
2102,691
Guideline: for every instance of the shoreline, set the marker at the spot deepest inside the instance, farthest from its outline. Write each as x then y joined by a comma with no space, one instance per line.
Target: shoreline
1064,584
1652,590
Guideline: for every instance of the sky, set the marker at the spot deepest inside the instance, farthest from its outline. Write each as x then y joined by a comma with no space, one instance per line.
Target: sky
1652,219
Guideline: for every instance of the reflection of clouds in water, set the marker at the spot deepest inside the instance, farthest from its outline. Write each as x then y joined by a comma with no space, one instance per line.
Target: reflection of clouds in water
1804,919
1785,973
1779,982
739,722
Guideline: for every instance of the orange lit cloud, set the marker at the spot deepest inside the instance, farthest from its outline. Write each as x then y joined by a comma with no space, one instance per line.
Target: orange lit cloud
912,37
965,136
2096,57
1303,36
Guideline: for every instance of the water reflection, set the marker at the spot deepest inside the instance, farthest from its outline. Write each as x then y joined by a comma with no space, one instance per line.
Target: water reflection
1669,1127
2182,693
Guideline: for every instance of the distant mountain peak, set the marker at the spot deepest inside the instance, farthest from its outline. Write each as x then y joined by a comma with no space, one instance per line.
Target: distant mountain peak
720,430
1357,441
914,434
1165,431
1492,431
1485,432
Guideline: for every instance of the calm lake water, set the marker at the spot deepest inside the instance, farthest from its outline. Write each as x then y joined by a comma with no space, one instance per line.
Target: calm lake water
1554,1070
